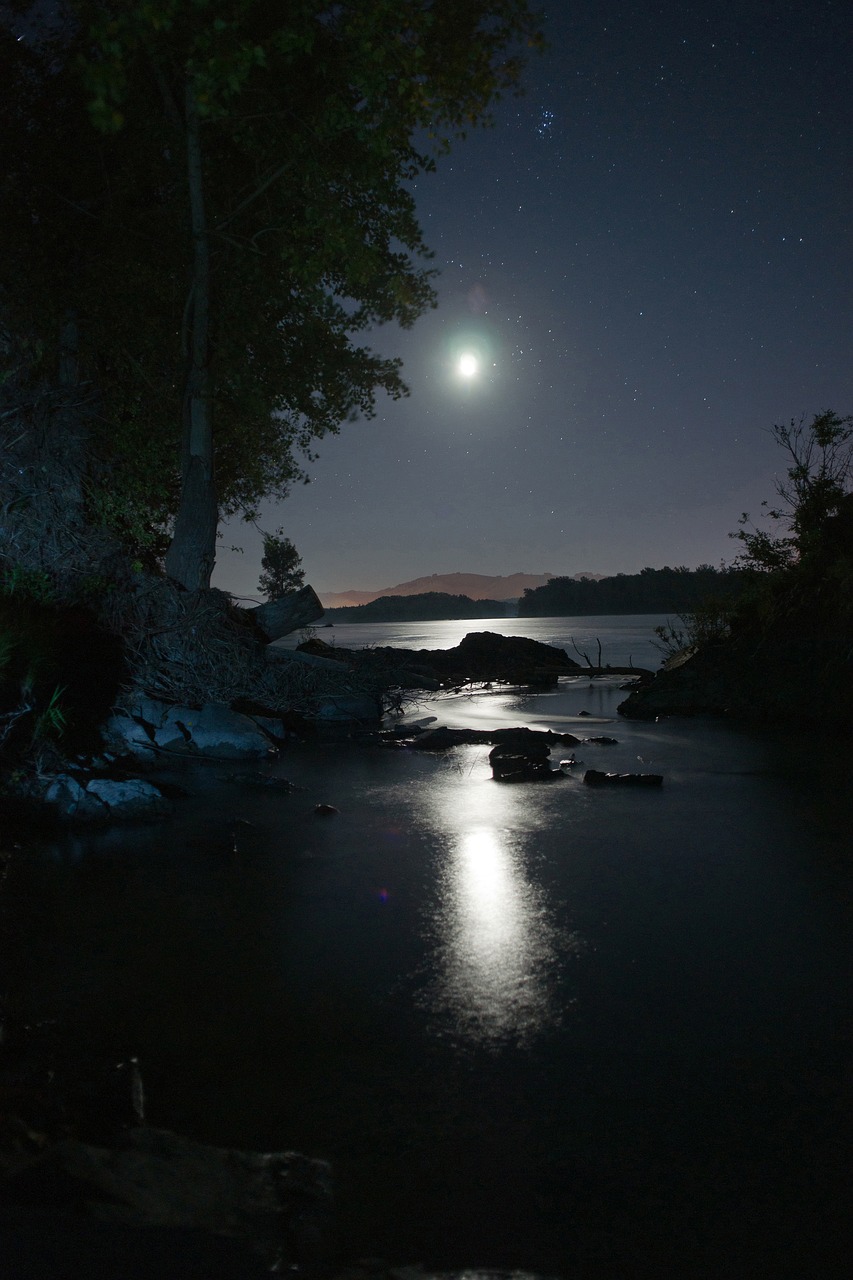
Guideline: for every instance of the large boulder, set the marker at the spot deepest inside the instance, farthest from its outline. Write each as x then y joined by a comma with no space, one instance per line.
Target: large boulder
214,731
481,655
486,655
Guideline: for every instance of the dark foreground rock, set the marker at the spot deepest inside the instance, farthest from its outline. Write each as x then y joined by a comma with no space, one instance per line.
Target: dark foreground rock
278,1205
158,1205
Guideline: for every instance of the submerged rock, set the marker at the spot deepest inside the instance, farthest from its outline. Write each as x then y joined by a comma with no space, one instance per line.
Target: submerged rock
594,778
357,709
522,762
442,738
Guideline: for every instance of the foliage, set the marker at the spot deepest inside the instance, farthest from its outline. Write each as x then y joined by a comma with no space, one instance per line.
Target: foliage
710,623
280,571
59,670
812,493
786,651
312,120
31,712
33,584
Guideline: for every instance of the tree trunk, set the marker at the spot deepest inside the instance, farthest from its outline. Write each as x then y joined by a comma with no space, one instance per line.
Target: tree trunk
190,558
288,613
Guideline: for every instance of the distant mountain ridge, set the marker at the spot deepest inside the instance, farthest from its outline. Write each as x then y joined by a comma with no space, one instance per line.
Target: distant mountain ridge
478,586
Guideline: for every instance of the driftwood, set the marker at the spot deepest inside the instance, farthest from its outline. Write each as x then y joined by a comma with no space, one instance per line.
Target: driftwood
642,673
287,613
596,669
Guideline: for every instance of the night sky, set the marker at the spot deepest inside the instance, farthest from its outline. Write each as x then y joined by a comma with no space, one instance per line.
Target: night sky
650,257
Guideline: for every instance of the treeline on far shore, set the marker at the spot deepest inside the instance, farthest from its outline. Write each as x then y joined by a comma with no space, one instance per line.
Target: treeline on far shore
665,590
421,608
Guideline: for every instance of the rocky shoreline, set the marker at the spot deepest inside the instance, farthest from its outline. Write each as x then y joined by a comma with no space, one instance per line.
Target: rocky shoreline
118,782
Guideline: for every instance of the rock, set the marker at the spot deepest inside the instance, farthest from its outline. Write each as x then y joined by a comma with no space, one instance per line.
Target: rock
527,762
306,657
319,649
602,741
442,738
699,685
213,731
68,799
127,736
129,801
409,678
593,778
216,731
486,655
272,728
279,1202
481,656
84,800
350,708
262,782
325,810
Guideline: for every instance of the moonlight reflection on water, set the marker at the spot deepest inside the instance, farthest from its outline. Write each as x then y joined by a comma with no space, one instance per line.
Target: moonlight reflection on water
497,945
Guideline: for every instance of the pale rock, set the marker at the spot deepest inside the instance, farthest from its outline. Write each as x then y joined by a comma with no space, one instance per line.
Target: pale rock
129,800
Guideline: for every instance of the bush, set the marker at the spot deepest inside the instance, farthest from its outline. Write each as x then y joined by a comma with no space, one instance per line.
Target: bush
59,670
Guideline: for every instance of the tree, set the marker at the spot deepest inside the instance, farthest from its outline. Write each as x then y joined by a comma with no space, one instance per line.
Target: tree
280,571
249,184
815,493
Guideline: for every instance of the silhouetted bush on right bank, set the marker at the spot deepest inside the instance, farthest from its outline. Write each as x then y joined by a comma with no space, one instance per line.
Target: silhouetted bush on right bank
788,652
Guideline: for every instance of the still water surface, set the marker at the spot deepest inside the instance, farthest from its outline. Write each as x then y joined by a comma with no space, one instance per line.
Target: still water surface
589,1032
625,638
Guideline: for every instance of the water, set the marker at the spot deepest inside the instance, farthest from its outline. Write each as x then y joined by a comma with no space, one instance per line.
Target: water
624,638
589,1032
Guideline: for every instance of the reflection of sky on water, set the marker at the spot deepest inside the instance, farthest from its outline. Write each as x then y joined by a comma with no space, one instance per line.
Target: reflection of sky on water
496,938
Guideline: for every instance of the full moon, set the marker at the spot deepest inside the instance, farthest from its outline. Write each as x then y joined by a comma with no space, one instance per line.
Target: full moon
468,365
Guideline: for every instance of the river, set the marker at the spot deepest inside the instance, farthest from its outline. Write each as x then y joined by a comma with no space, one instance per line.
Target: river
588,1032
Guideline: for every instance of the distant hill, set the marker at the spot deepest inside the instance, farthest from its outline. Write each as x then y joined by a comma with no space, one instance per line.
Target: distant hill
477,586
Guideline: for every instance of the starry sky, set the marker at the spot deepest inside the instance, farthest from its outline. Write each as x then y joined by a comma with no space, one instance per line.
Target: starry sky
650,256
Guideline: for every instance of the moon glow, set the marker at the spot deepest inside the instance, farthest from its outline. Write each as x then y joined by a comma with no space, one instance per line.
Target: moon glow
468,365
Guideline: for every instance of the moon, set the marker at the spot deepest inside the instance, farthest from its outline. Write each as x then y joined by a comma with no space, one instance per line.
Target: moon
469,365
